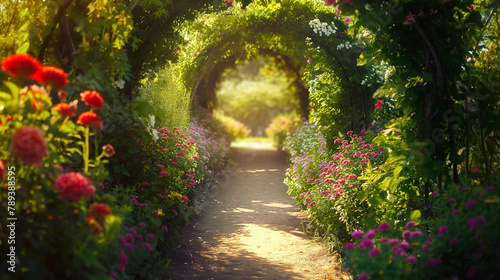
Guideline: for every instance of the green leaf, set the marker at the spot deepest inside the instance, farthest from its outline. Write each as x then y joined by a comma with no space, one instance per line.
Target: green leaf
415,216
397,171
363,195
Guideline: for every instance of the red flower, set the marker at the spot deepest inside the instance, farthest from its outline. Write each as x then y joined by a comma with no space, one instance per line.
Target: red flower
53,76
379,104
89,119
65,109
329,2
74,186
21,65
99,211
29,145
108,150
92,98
94,225
2,170
229,3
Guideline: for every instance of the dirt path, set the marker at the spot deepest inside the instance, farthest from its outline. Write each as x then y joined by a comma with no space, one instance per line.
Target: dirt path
250,228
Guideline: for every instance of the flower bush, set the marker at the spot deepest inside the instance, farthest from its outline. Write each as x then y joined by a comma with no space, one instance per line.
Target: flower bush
56,233
326,183
234,129
280,126
73,222
461,241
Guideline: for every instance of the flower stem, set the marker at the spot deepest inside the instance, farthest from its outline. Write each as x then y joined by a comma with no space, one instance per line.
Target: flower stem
86,151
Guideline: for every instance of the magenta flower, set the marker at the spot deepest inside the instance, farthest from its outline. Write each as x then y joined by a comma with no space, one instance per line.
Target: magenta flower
469,204
129,238
358,234
374,252
368,243
161,166
451,200
363,276
132,230
186,200
165,228
164,173
384,226
416,234
393,242
454,212
371,234
404,244
148,246
175,212
129,247
384,240
349,246
453,241
406,234
347,20
442,230
411,259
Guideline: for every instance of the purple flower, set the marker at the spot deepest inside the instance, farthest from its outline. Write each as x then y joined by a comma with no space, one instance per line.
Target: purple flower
416,234
443,230
129,238
371,234
404,245
368,243
393,242
469,204
151,236
406,234
411,259
139,237
148,246
410,224
384,226
142,225
363,276
349,246
383,240
374,252
129,247
453,241
358,234
132,230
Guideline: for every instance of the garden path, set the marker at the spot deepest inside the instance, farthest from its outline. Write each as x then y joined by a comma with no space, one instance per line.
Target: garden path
250,228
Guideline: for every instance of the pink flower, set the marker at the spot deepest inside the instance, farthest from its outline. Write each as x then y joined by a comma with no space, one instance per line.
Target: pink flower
129,247
151,236
454,212
129,238
2,170
164,173
363,276
374,252
451,200
442,230
329,2
347,20
349,132
416,234
367,243
406,234
410,224
145,183
74,186
404,244
161,166
469,204
185,199
142,225
175,212
393,242
349,246
475,170
474,223
358,234
453,241
384,226
411,259
123,258
29,145
371,234
148,246
165,229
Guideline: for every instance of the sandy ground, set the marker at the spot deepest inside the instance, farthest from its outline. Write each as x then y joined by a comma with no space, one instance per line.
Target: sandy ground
250,228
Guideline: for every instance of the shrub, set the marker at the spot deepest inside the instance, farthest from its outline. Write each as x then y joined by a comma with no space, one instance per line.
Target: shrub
234,129
280,127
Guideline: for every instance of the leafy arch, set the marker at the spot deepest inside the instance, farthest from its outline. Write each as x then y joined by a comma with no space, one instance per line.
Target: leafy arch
273,28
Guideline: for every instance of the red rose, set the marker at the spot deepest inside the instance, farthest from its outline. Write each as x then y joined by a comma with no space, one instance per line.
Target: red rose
53,76
29,145
99,211
65,109
74,186
21,65
89,119
92,98
108,150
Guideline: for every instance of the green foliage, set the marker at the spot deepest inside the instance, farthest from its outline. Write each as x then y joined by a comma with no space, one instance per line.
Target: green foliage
168,98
